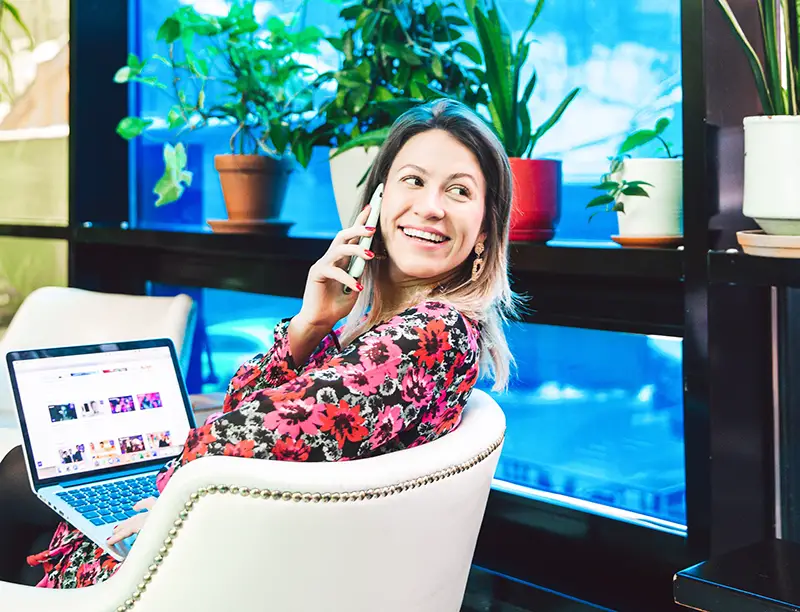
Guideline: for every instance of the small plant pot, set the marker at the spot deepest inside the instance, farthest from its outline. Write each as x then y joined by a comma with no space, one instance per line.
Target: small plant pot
347,170
771,177
661,214
254,186
536,206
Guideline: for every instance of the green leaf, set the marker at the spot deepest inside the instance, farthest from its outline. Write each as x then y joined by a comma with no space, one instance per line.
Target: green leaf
556,116
601,200
634,190
436,65
180,156
637,139
383,95
375,138
186,177
167,190
358,98
170,30
769,31
123,74
134,62
606,186
661,125
752,58
637,183
470,52
131,127
279,134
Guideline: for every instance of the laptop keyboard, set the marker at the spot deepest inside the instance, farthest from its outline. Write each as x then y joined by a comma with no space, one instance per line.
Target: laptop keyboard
110,502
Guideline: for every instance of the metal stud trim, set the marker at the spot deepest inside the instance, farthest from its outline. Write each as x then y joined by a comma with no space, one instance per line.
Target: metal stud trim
293,497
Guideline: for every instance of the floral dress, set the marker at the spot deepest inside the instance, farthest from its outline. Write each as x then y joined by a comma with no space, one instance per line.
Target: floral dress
400,384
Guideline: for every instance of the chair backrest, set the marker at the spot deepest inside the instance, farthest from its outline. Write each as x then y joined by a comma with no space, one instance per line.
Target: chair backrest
65,316
278,535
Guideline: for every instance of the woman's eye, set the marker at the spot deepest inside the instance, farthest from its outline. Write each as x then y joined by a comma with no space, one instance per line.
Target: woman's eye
414,181
460,191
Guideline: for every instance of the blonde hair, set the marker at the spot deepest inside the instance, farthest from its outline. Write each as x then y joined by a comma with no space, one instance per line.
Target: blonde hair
488,300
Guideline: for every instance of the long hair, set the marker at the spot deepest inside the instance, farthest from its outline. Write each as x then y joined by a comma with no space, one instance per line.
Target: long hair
487,300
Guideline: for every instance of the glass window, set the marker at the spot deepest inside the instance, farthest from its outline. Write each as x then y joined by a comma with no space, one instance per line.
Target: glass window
603,434
232,327
625,57
25,265
34,127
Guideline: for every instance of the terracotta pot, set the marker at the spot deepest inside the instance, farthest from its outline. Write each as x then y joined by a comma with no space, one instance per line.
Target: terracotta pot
536,207
253,186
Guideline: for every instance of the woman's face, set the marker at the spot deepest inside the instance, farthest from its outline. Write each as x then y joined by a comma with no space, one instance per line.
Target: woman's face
433,207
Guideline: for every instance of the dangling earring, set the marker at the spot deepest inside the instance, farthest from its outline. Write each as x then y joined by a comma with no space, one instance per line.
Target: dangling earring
477,264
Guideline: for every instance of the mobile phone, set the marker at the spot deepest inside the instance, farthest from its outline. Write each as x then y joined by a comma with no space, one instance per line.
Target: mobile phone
356,266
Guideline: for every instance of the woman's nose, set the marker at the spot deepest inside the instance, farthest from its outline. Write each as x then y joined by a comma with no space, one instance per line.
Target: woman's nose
429,205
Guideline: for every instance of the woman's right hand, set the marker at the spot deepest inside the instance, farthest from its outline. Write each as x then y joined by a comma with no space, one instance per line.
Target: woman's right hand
324,301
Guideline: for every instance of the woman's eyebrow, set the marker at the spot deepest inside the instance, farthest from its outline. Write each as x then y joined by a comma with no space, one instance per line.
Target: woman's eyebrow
455,175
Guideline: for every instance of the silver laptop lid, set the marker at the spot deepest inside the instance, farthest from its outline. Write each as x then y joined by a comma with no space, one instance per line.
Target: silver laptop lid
99,409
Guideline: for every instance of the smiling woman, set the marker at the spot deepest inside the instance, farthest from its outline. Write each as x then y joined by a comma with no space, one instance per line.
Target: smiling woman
433,209
443,225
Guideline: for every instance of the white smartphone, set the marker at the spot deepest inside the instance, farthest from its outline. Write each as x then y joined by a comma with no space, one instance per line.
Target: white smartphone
356,266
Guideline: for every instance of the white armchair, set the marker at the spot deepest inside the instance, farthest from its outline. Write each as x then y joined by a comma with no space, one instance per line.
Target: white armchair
394,533
65,316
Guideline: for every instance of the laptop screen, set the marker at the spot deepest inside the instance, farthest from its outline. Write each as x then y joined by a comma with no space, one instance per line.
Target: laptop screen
101,410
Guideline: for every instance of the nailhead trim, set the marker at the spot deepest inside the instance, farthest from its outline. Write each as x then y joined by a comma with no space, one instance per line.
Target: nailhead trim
295,498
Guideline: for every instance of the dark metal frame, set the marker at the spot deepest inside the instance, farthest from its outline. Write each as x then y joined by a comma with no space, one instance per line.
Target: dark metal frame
684,293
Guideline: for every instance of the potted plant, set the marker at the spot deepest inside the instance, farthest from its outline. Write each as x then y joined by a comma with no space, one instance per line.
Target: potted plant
772,141
537,182
8,10
394,54
646,193
240,76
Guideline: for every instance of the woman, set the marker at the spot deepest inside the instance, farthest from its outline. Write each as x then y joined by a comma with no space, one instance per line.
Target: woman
399,372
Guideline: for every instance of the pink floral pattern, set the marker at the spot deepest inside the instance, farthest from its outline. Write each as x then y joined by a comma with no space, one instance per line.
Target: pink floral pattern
401,384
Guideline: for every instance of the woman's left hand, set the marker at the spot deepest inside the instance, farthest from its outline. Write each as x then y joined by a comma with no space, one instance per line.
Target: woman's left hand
134,524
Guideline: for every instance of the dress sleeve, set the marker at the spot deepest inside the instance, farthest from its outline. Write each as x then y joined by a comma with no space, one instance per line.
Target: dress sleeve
272,369
403,383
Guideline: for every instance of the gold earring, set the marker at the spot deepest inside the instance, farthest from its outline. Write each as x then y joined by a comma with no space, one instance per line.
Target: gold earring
477,264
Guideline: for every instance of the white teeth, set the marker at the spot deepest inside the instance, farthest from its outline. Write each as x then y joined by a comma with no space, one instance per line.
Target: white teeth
424,235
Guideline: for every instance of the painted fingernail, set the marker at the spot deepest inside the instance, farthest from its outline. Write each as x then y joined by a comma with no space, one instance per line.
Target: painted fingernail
369,228
359,287
369,253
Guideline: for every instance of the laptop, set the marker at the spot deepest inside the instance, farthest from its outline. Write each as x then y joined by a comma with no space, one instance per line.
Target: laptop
98,422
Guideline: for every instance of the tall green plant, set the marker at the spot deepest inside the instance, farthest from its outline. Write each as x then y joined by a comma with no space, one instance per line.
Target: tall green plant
779,35
395,54
9,14
507,99
242,73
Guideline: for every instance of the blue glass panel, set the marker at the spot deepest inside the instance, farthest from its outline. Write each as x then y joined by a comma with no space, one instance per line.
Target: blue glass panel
625,57
595,418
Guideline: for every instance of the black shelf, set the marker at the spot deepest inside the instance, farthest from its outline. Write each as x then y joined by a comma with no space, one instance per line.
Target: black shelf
741,269
196,241
612,262
526,258
756,578
35,231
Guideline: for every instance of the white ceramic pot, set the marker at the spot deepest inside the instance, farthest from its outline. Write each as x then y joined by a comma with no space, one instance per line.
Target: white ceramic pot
347,170
771,176
661,214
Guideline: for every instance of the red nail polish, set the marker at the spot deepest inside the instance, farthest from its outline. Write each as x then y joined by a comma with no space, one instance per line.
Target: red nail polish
369,253
369,228
359,286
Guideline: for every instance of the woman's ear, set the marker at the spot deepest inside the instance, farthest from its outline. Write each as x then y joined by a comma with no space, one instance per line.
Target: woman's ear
482,237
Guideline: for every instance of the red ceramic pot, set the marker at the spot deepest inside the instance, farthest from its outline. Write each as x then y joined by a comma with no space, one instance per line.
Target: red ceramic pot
536,207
